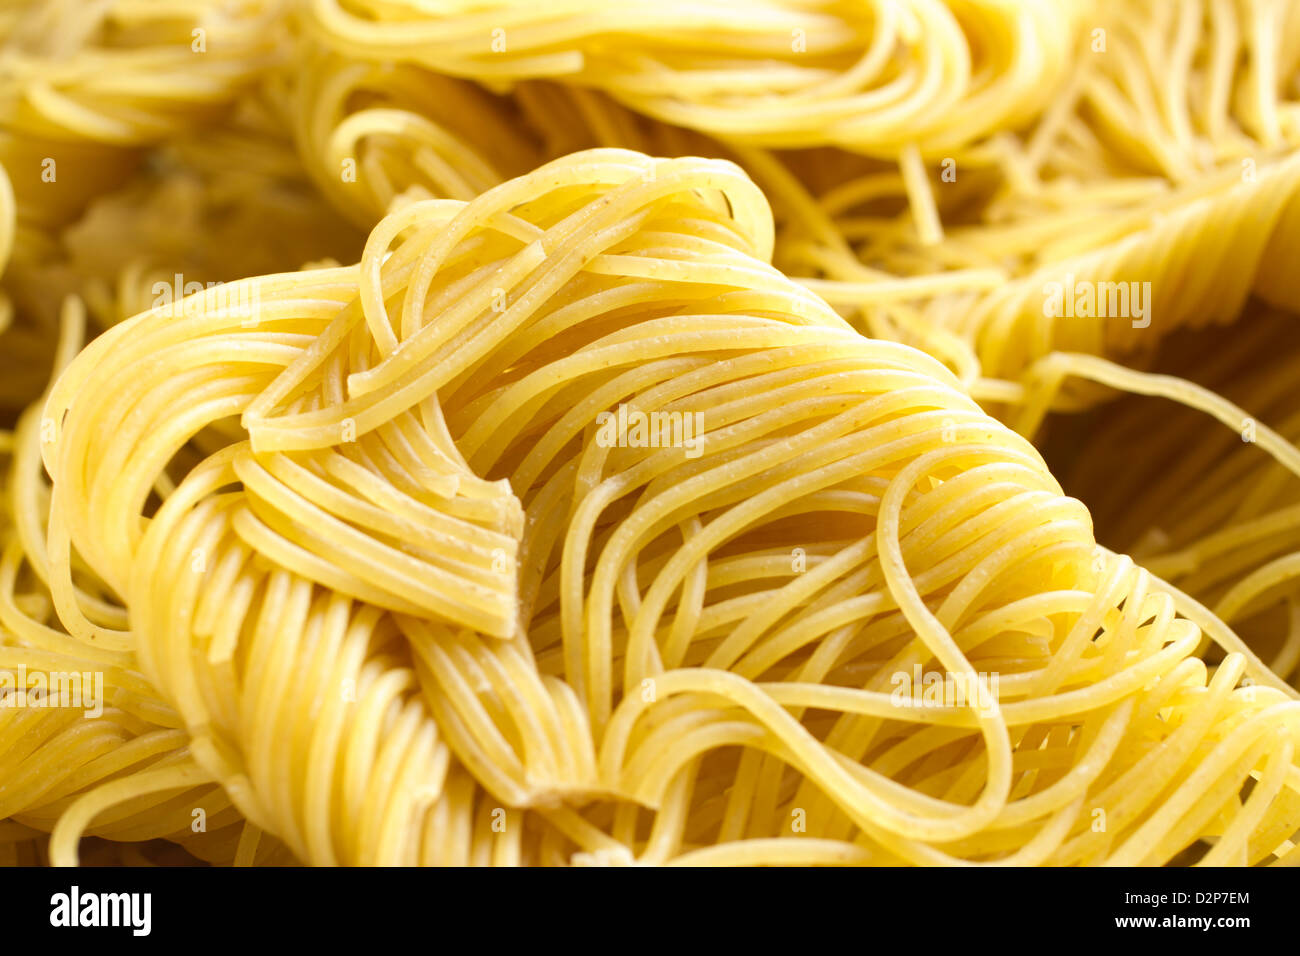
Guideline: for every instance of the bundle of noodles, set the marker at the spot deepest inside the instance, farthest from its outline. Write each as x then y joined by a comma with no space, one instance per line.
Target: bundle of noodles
877,77
777,593
80,727
84,86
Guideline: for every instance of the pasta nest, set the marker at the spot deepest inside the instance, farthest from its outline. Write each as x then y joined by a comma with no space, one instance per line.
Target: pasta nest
394,550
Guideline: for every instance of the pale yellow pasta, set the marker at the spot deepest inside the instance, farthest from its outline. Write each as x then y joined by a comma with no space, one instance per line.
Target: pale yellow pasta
658,432
687,644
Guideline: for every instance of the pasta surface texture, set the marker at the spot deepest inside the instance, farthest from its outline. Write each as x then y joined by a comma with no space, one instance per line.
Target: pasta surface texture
797,432
707,633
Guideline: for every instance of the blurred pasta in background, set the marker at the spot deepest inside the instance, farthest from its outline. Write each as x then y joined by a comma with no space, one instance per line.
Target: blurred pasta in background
322,324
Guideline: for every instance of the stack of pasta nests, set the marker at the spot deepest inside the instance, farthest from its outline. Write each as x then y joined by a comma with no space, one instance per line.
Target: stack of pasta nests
373,570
